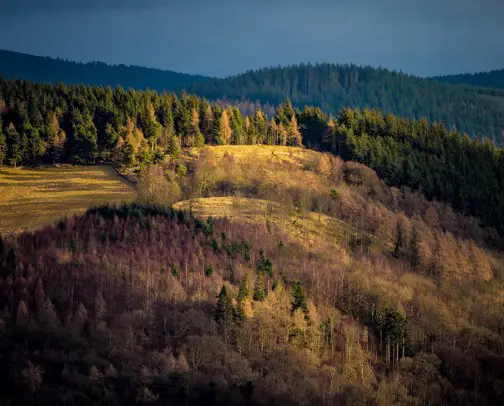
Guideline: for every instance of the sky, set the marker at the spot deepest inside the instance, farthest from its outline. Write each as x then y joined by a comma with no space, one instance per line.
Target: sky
226,37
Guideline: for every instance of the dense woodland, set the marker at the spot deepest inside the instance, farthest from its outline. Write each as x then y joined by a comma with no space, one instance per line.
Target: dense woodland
146,305
333,87
476,110
492,79
45,123
15,65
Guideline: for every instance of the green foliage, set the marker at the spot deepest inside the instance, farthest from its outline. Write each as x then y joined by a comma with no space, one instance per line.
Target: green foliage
181,170
209,271
299,299
175,272
393,326
259,292
334,87
246,290
246,250
224,312
334,194
133,128
264,265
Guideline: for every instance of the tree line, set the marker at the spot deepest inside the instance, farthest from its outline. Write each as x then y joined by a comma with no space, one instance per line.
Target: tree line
44,123
334,87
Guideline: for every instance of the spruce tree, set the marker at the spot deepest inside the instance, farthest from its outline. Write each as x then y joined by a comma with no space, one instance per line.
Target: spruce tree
299,298
264,265
225,311
207,123
259,292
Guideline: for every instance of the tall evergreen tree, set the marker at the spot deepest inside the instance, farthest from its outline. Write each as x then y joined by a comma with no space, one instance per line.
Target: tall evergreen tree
299,298
225,310
259,292
207,122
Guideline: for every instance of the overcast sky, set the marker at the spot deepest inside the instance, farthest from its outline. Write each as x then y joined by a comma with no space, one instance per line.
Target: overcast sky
222,37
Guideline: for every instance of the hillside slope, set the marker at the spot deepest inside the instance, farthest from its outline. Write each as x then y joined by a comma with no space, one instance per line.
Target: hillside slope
324,286
333,87
492,79
15,65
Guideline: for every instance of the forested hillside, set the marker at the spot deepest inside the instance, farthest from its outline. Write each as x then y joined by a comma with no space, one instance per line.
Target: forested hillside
472,109
333,87
493,79
15,65
399,304
44,123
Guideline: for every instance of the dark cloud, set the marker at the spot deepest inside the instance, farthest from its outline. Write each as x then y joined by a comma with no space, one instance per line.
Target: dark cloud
220,37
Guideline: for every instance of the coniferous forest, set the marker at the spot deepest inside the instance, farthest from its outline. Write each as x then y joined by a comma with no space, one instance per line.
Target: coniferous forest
477,110
479,113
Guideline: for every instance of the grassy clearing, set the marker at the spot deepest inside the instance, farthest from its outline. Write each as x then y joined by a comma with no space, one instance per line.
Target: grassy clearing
312,229
294,156
34,197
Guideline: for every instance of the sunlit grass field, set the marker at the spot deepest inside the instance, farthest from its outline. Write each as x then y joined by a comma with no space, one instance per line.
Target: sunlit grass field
311,229
34,197
295,156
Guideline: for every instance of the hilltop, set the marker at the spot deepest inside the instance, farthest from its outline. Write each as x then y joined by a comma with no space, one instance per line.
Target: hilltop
492,79
15,65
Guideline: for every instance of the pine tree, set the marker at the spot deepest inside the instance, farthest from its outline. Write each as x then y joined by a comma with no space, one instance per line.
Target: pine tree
15,146
299,298
288,109
207,123
259,293
236,119
225,311
414,249
264,265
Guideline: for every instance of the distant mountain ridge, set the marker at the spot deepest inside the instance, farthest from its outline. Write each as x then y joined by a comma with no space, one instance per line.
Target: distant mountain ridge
493,79
476,110
332,87
15,65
